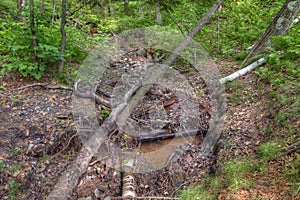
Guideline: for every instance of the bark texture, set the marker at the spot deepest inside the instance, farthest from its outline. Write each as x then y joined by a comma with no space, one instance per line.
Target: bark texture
279,26
68,181
63,36
34,42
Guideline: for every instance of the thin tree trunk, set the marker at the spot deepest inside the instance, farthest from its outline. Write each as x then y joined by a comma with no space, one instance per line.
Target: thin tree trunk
107,8
53,11
68,181
126,6
42,8
19,7
70,7
158,14
63,35
150,12
23,10
141,10
34,43
279,26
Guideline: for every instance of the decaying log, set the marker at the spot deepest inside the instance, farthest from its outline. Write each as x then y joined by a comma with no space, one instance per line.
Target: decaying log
156,74
68,181
162,135
243,71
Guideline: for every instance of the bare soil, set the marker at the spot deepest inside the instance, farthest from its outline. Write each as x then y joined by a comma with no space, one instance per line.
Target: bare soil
38,139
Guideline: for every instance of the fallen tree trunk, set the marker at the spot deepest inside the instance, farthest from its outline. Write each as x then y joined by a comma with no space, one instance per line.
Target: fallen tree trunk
158,73
65,185
68,181
243,71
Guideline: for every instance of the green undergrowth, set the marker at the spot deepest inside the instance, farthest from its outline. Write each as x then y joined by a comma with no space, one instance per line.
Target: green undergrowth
232,178
235,175
235,27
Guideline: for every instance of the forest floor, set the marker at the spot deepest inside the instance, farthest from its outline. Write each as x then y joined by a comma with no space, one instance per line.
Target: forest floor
38,139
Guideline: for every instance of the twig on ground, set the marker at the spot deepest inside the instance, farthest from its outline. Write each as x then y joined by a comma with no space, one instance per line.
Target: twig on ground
179,187
68,181
97,160
65,147
59,87
291,149
91,95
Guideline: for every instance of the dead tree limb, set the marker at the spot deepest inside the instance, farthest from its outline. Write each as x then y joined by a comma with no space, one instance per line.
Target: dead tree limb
68,181
157,73
162,135
243,71
291,149
91,95
58,87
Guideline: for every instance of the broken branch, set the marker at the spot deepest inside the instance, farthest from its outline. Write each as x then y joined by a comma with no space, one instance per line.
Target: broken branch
162,134
68,181
243,71
59,87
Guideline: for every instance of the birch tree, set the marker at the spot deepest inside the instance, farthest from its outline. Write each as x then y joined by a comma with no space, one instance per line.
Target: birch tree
68,181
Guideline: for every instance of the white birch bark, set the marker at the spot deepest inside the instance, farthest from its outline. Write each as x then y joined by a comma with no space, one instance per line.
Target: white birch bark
243,71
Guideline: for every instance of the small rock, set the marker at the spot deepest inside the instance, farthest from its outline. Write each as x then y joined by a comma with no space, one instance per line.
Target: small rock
98,170
141,52
115,173
16,173
30,146
93,176
97,193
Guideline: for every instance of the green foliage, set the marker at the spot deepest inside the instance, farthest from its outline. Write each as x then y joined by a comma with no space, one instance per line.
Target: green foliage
16,49
105,113
284,60
241,24
235,172
292,172
2,164
15,151
269,151
195,193
13,189
282,117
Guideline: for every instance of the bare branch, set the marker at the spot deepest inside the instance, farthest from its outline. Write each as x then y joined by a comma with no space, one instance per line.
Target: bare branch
46,86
